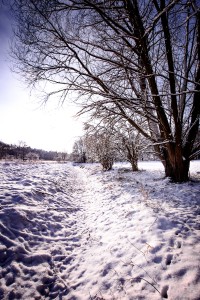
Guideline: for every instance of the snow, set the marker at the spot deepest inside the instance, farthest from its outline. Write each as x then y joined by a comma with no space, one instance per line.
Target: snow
75,232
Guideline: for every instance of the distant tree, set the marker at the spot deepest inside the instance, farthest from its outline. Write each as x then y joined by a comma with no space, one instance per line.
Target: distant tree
32,156
126,143
105,150
61,156
4,148
64,156
90,147
46,155
22,150
136,59
58,157
99,145
78,152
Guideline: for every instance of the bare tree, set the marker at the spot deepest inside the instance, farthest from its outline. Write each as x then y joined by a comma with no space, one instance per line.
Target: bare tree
125,142
135,59
4,148
22,150
78,152
90,140
100,145
32,156
128,144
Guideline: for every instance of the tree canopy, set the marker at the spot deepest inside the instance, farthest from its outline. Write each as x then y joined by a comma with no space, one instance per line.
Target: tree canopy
139,60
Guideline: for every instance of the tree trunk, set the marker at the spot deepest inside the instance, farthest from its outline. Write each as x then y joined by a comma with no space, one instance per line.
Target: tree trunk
132,157
107,163
134,166
176,165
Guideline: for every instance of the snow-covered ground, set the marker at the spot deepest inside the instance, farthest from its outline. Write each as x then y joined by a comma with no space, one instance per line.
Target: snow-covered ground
75,232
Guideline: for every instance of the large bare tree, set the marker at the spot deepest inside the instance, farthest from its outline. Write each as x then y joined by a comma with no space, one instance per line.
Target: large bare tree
136,59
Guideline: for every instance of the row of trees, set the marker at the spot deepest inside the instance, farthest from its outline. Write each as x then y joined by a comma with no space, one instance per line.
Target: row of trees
106,144
137,61
24,152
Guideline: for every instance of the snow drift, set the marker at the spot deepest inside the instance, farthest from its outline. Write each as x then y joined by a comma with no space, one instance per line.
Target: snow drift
75,232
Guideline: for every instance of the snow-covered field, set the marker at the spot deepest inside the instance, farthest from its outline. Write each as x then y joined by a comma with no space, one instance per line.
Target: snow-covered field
75,232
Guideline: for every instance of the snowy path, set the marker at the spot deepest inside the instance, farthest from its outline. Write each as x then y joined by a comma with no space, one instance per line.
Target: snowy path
77,233
114,218
142,238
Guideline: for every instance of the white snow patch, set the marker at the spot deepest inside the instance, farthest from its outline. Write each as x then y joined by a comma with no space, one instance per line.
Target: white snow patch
75,232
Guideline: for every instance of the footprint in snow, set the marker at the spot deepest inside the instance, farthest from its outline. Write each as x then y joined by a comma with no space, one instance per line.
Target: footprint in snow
169,259
164,292
177,232
178,244
157,259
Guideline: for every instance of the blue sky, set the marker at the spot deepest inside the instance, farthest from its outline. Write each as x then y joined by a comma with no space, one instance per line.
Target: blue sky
22,118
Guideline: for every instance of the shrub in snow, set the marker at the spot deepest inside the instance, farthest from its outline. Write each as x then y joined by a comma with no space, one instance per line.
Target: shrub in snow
31,156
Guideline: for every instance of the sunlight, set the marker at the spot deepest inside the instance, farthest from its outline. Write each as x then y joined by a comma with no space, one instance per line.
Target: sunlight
22,118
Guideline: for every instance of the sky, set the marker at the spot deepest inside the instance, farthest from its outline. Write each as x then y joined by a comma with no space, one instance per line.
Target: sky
23,118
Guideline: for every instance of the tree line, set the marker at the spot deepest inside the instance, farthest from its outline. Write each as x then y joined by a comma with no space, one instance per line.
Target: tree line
25,153
106,145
